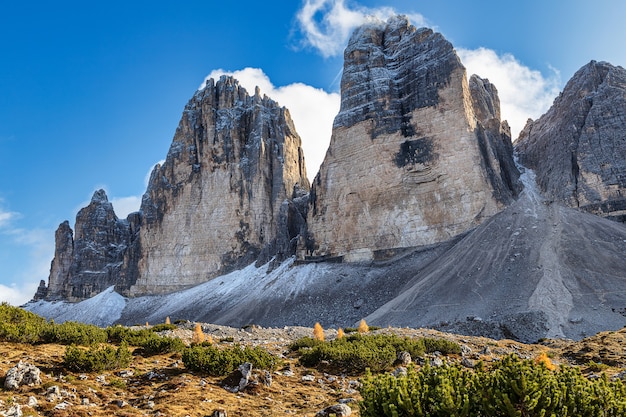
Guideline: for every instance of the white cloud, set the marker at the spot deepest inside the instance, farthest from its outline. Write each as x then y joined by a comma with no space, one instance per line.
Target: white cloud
6,217
523,92
123,206
40,251
18,295
326,25
312,110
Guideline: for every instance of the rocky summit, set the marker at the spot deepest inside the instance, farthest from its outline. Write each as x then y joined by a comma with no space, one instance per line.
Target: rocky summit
419,216
417,156
578,148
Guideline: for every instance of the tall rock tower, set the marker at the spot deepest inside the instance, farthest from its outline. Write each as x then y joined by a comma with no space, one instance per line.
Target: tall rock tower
416,156
216,203
578,148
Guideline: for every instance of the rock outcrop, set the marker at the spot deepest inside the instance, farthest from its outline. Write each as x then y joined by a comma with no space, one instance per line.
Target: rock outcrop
578,148
416,156
216,203
90,261
232,191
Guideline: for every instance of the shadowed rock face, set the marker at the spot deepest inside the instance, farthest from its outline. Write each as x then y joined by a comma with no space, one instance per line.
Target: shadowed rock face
416,157
578,148
90,261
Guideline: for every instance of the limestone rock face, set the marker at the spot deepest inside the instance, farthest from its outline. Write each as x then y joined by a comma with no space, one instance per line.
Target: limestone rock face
415,157
90,261
578,148
216,203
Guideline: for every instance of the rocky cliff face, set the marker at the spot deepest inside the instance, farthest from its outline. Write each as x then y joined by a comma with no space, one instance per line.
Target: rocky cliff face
578,148
90,261
416,156
232,191
223,193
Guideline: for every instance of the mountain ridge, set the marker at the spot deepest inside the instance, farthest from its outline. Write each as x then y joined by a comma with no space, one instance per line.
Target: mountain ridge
417,217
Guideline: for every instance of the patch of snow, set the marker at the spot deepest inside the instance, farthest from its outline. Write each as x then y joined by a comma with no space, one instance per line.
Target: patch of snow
102,310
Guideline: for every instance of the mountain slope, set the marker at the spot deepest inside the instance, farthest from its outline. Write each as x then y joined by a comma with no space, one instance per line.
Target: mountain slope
536,268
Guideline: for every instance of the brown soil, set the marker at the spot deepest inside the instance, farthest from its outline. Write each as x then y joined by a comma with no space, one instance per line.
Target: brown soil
161,386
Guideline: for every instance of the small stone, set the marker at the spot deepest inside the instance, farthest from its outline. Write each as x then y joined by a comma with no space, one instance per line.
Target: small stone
22,374
465,350
84,401
120,403
14,411
238,380
467,362
150,404
399,371
308,378
101,379
404,358
338,410
62,406
436,362
32,402
219,413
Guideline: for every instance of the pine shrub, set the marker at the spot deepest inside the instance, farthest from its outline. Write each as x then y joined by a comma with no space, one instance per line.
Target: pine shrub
512,387
96,359
219,362
356,353
162,327
73,333
20,326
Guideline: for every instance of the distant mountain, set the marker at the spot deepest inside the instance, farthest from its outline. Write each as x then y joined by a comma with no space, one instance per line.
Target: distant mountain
418,216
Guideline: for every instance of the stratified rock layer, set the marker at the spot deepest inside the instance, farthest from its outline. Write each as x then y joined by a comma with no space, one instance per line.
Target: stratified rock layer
415,157
216,203
578,148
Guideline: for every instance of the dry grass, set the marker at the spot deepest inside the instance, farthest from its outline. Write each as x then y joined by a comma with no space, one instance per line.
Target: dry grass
175,391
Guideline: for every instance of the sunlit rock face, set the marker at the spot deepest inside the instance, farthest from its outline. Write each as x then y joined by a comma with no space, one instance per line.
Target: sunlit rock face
578,148
215,204
416,156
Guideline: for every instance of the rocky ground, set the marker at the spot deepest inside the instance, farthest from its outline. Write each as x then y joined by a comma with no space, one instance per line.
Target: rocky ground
161,386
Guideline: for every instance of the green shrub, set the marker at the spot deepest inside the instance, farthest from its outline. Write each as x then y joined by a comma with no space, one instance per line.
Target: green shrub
219,362
446,347
513,387
72,333
163,326
356,353
304,342
20,326
149,342
157,345
96,358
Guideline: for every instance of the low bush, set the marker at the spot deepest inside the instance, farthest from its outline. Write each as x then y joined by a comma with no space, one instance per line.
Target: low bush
20,326
446,347
218,362
512,387
73,333
163,326
157,345
149,342
101,358
356,353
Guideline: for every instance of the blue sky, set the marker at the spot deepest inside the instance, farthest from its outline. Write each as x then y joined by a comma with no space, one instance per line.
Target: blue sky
91,92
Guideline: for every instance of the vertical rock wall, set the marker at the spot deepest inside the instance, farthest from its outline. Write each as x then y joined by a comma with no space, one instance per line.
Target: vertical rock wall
578,147
408,160
215,204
